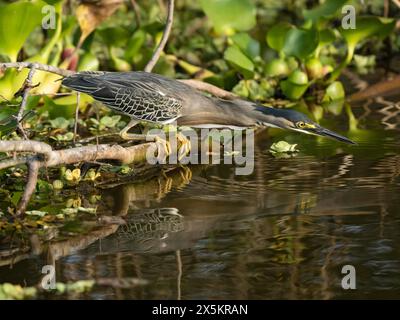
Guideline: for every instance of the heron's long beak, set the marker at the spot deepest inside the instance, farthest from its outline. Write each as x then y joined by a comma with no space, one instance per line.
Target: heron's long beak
328,133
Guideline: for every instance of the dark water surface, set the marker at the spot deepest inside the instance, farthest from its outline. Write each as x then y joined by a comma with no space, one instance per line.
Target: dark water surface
284,232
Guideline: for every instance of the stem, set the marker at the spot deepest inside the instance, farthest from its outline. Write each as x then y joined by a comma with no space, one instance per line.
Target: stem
156,55
350,52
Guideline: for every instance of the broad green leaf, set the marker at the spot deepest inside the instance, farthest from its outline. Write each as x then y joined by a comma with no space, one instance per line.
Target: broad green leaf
368,26
114,36
88,62
276,35
247,44
335,91
327,9
17,21
326,36
134,44
300,43
60,123
239,61
57,110
228,16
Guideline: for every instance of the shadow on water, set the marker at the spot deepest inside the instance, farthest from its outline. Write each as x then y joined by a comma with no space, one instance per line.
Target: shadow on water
285,231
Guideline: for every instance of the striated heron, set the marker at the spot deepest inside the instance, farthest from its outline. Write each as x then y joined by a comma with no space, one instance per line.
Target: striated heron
153,98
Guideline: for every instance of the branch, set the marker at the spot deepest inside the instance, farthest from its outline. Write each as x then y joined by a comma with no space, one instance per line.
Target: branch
25,92
37,66
378,89
33,171
207,87
128,155
25,146
156,55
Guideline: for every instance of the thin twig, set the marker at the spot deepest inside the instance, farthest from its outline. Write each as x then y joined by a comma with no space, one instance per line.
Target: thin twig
7,163
156,55
37,66
136,11
26,87
78,96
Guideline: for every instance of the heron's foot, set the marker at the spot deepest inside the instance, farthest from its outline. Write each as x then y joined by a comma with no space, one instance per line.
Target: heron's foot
163,149
184,145
132,136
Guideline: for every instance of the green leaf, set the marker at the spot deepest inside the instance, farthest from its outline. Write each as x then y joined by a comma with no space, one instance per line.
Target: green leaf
276,35
134,44
368,26
17,21
335,91
59,123
300,42
88,62
58,110
110,122
228,16
327,9
326,36
114,36
247,44
239,61
283,149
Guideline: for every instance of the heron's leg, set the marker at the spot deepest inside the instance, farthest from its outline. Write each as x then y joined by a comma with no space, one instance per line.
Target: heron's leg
184,145
163,146
131,136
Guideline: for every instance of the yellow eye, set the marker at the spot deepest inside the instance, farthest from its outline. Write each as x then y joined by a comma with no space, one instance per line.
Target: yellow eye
300,124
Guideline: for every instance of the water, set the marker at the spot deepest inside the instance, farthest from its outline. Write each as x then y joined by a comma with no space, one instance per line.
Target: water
284,232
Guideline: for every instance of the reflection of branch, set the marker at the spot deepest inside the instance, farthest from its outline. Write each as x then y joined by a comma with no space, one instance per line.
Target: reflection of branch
156,55
378,89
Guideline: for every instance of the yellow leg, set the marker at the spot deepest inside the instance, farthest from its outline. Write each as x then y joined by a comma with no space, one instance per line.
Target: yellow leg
163,146
184,145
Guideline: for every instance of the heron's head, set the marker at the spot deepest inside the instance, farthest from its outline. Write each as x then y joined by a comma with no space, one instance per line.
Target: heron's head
296,121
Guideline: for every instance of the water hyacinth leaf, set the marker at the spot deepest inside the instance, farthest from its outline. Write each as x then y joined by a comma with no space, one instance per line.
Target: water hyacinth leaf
283,149
239,61
293,91
134,44
110,122
224,14
335,91
59,123
276,67
88,62
300,42
276,35
247,44
368,26
58,110
327,36
328,9
114,36
17,21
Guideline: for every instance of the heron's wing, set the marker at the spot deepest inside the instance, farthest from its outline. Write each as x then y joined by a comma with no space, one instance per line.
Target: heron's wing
128,94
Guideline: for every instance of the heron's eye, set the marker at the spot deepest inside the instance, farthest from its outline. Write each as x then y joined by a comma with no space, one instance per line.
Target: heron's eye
300,124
